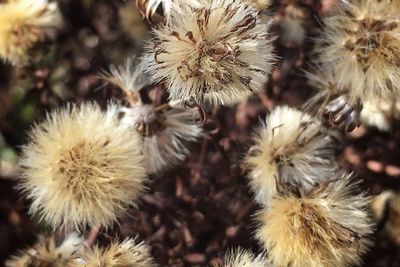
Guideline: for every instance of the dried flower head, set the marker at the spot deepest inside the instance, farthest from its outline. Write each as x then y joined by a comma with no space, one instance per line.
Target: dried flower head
327,227
291,148
82,166
46,253
124,254
219,53
23,24
243,258
165,130
361,46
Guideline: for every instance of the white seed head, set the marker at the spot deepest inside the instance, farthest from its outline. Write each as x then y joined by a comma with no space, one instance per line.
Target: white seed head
124,254
82,167
291,148
243,258
328,227
219,53
46,253
24,24
361,45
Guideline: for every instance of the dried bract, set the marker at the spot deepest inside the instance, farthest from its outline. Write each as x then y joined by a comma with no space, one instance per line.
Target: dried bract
46,253
23,25
327,227
291,148
332,103
220,53
362,48
124,254
82,167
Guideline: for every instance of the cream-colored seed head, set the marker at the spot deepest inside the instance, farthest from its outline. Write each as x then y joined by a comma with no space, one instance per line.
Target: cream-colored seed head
328,227
124,254
362,42
243,258
46,253
165,132
219,53
24,24
291,148
82,167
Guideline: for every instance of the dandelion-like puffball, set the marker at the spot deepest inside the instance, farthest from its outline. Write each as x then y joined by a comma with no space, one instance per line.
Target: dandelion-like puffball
82,167
361,48
220,53
24,24
243,258
124,254
328,227
291,148
46,253
165,130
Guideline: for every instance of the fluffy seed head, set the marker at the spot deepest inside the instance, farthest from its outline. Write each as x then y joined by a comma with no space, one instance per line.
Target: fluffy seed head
361,48
165,130
327,227
46,253
219,53
82,166
243,258
290,148
23,24
124,254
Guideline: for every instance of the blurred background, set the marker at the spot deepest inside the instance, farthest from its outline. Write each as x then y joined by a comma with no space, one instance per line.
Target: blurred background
193,214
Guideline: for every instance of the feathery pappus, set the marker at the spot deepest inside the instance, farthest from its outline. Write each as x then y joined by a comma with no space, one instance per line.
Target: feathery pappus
46,253
165,130
326,227
119,254
23,25
218,53
244,258
290,148
360,45
82,167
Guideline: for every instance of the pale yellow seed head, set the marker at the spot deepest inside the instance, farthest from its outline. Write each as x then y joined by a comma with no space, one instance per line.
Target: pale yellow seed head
82,167
218,52
243,258
24,24
328,227
290,148
124,254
